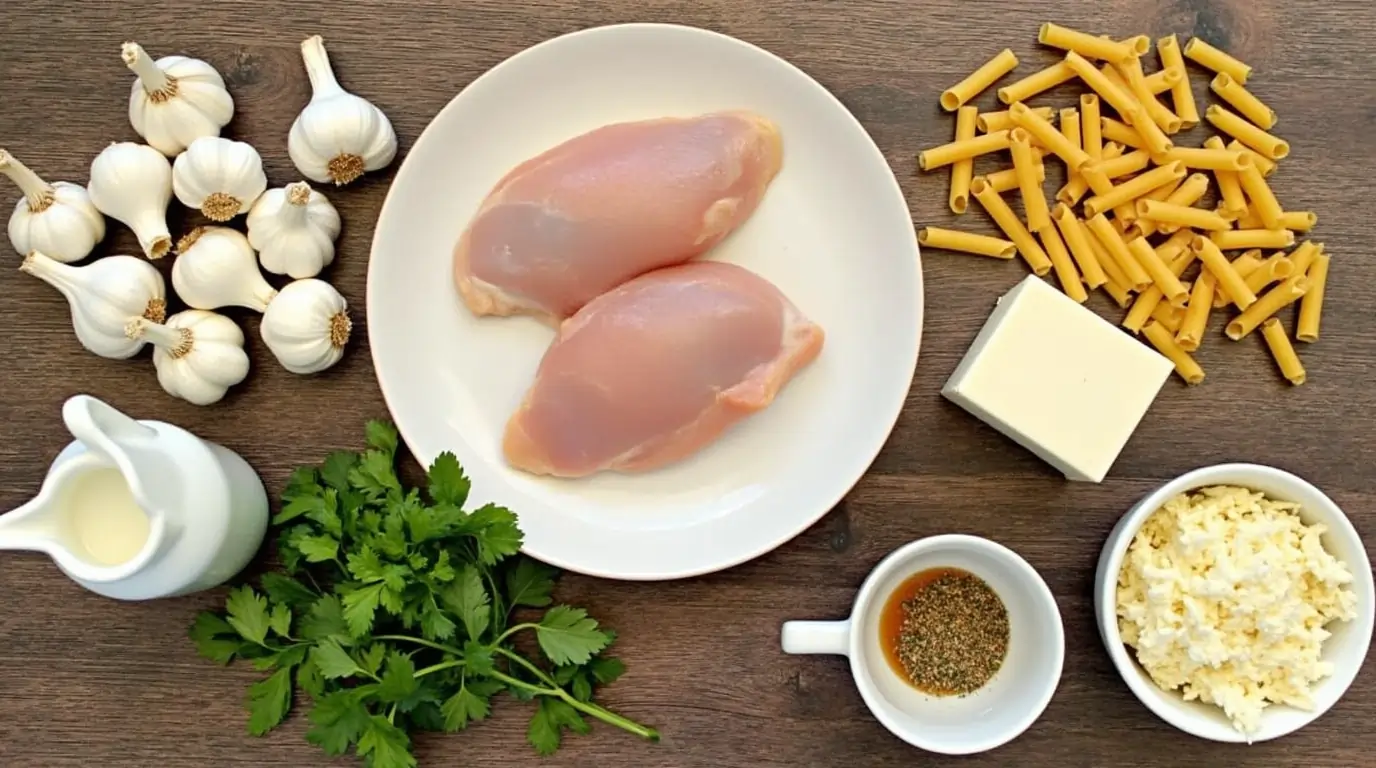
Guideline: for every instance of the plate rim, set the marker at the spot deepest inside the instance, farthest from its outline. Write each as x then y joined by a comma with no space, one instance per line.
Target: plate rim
895,410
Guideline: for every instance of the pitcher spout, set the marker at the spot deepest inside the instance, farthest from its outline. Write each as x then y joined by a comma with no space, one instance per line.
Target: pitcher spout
29,528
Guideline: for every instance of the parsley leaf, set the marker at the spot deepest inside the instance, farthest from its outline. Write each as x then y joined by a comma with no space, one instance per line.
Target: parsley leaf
325,621
435,624
549,721
464,707
268,701
530,583
399,680
382,436
279,620
448,483
215,639
333,661
360,607
385,745
467,597
335,471
340,719
496,531
375,477
316,549
568,636
288,591
477,658
248,614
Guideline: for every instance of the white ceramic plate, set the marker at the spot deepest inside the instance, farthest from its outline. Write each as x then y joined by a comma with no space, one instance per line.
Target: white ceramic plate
833,232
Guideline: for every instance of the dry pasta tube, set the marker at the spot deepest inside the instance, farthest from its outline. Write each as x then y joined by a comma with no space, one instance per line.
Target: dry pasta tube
1165,119
1112,271
966,242
1131,190
1114,130
1153,137
1298,221
1035,83
1196,319
1121,296
1082,43
1260,141
1303,257
1066,274
1311,306
1146,305
1006,180
1282,351
1182,96
1228,278
1142,226
1230,195
1243,265
1264,202
1181,215
1070,129
1132,162
1137,276
1240,239
1077,240
1163,80
1161,276
1248,220
1164,341
1047,134
1265,164
1142,309
1170,317
1176,251
1243,101
1031,252
1075,188
1033,199
1188,193
1140,44
974,84
1272,270
1270,303
1207,159
946,154
1091,130
1118,98
993,122
1210,57
962,170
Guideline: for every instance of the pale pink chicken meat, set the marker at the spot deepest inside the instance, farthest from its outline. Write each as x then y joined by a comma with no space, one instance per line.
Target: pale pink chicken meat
658,368
595,211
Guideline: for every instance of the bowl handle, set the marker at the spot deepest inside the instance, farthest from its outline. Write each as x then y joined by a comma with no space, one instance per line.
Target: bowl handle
809,637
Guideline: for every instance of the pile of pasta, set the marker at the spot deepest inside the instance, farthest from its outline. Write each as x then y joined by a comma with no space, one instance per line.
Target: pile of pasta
1127,220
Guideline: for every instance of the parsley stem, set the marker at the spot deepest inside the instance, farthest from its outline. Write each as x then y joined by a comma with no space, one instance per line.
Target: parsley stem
419,641
523,661
513,630
605,715
443,665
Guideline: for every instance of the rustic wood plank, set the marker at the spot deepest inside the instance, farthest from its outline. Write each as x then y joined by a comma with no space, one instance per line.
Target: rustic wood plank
86,681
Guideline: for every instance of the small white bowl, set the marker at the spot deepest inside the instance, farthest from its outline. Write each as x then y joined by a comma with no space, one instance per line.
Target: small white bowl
955,725
1346,649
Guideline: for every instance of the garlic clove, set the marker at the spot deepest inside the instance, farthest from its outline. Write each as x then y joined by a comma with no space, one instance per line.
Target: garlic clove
216,267
175,100
307,326
220,177
132,183
338,136
103,297
293,228
198,355
57,219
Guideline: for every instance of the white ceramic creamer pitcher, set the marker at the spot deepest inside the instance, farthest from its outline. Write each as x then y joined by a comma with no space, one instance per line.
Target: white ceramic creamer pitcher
136,510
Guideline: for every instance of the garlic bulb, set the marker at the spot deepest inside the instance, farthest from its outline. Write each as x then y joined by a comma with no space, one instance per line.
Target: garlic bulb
215,268
57,219
338,135
199,355
133,184
293,229
104,296
220,177
175,100
307,326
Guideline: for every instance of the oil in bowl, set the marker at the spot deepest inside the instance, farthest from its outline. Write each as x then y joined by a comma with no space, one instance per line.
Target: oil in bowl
944,631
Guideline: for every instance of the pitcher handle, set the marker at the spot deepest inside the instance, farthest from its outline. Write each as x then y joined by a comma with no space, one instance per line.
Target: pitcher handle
100,426
812,637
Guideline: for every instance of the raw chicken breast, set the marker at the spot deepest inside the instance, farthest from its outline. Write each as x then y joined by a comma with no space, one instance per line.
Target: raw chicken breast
658,368
586,216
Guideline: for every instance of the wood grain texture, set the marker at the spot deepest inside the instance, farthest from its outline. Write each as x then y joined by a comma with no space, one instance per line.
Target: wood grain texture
87,681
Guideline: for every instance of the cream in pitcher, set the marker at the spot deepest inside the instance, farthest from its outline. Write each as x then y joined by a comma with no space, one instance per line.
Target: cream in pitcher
137,510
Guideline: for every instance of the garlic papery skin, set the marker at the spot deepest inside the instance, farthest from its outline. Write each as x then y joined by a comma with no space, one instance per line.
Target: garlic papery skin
293,228
57,219
104,296
199,355
175,100
307,326
338,136
221,178
132,183
216,268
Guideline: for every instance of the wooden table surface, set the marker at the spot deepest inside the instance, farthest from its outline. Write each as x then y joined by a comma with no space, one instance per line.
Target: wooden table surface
88,681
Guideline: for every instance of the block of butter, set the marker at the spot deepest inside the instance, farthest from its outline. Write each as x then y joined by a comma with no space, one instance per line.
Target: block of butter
1058,379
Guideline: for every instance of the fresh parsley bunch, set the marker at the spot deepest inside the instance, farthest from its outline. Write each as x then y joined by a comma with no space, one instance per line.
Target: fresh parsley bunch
395,615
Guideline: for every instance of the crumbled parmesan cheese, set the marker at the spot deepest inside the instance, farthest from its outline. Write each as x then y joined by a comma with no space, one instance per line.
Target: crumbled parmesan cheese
1224,595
